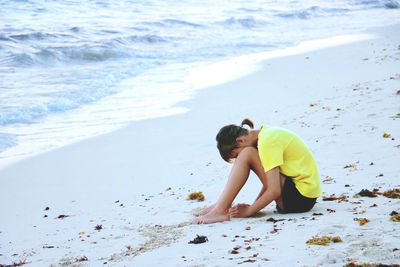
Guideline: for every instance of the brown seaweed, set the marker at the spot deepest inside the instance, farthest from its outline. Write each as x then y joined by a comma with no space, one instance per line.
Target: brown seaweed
352,264
362,221
334,197
324,240
198,240
196,196
394,193
395,218
367,193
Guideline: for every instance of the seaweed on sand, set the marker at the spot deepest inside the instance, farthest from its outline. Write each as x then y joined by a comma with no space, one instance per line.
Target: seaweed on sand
196,196
324,240
394,193
199,239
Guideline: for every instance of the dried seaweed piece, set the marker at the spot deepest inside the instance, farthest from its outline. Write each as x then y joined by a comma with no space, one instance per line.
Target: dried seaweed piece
199,239
273,220
334,197
98,227
196,196
393,213
324,240
62,216
394,193
247,261
362,221
317,214
352,264
395,218
386,135
353,165
331,211
84,258
366,193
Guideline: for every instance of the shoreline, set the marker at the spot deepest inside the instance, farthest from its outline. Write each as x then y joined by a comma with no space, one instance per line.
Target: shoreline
340,100
234,68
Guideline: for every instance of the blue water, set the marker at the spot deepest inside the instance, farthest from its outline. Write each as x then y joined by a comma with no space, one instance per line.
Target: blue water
73,69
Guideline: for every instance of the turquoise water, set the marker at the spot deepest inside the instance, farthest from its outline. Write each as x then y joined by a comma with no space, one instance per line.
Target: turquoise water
74,69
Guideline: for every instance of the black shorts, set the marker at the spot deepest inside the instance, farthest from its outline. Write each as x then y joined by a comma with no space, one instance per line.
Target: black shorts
293,201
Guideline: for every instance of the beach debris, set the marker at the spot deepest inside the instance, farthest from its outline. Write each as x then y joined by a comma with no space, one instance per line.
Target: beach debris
248,228
317,214
62,216
168,189
352,264
47,208
247,261
198,239
312,105
352,165
48,246
330,210
366,193
83,258
273,220
98,227
394,193
235,250
324,240
196,196
362,221
45,216
328,180
275,230
386,135
334,197
395,216
20,263
398,92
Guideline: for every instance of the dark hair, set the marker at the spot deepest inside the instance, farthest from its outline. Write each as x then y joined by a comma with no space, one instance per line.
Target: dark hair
226,138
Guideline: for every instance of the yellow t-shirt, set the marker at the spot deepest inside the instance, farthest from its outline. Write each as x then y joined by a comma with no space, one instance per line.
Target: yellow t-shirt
280,147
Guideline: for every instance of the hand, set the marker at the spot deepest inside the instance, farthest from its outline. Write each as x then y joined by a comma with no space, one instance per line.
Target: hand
240,210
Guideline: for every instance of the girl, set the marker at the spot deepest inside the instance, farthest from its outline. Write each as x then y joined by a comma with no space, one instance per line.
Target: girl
282,162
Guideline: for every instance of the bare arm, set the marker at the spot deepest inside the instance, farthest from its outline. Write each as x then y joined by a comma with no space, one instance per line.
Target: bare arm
271,184
263,189
272,192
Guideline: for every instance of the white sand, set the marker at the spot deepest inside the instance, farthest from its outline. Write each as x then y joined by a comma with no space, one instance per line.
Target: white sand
121,180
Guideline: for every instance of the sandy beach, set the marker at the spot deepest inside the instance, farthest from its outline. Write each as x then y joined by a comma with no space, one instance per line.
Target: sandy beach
120,199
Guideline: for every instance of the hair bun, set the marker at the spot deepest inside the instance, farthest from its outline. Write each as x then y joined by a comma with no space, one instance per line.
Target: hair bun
248,122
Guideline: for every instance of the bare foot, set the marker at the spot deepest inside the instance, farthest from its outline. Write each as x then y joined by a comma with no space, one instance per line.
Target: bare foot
212,217
204,211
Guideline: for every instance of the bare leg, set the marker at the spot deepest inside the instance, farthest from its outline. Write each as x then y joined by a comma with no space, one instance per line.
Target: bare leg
278,201
237,178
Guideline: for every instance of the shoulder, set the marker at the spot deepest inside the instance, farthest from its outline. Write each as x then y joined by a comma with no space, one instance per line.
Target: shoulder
272,133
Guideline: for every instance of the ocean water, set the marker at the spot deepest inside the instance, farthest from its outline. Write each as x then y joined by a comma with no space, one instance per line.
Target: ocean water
74,69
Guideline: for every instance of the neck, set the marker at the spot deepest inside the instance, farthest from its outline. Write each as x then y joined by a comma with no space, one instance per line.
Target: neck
254,136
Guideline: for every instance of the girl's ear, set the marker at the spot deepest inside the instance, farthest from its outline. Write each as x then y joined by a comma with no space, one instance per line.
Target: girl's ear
239,139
